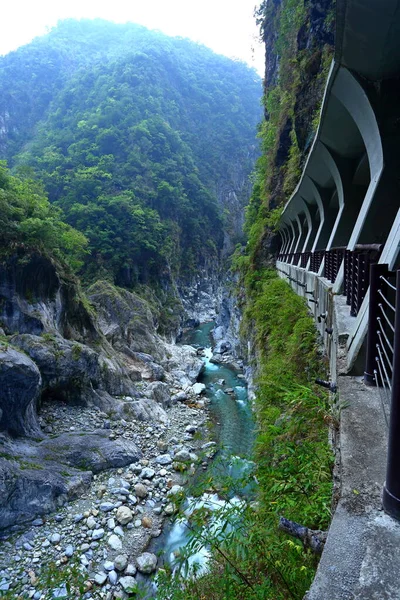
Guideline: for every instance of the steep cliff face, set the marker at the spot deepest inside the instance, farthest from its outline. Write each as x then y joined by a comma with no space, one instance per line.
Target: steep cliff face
35,298
57,349
86,354
298,39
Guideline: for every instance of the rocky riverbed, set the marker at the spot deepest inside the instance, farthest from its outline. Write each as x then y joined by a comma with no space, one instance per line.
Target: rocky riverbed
106,530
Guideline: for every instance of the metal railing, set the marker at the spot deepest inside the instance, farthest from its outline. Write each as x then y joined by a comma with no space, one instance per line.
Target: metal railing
316,260
383,369
357,272
356,268
333,260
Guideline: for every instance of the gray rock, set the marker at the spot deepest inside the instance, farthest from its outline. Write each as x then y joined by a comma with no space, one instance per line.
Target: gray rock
147,409
108,565
126,320
91,522
60,592
97,534
147,473
69,550
169,509
120,491
112,577
164,459
79,517
121,562
27,546
160,393
128,584
198,388
55,538
114,542
146,562
124,515
179,397
176,489
20,383
91,451
119,531
130,569
100,578
68,368
42,486
182,456
107,506
141,490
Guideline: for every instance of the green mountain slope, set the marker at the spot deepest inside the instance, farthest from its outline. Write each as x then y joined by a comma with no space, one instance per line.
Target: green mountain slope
140,138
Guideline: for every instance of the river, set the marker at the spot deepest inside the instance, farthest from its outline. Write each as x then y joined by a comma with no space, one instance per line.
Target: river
232,417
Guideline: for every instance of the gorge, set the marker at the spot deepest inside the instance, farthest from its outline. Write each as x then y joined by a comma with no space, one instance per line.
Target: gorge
187,310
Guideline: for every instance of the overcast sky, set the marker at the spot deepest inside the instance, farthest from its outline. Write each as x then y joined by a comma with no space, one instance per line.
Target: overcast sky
226,26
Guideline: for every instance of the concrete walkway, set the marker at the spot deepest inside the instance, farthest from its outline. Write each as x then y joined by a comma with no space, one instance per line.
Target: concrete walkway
361,559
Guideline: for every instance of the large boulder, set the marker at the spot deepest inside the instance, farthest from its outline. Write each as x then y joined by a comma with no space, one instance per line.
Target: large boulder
94,452
184,364
147,409
125,319
73,372
67,368
160,393
20,383
38,477
146,563
30,488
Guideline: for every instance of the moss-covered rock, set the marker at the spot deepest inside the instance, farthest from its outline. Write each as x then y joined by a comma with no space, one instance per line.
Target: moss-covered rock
125,319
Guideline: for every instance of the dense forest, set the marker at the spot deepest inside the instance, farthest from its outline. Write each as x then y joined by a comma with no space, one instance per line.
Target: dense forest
138,139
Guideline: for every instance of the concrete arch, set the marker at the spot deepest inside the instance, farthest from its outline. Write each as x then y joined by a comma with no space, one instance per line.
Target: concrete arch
283,234
300,233
293,236
287,239
312,193
352,96
309,225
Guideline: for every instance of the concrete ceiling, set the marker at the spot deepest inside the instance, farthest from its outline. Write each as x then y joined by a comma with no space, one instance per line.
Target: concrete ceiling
368,37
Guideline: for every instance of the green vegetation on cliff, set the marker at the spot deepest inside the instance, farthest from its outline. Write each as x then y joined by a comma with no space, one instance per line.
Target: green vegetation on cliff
135,136
28,221
251,558
299,39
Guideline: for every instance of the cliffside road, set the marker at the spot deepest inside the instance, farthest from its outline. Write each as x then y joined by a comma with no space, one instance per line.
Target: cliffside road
361,559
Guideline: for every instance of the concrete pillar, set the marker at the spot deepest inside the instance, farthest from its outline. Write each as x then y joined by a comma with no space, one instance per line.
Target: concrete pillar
331,208
300,233
315,226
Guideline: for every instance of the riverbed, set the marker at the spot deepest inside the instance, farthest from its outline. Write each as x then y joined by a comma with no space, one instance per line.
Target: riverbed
231,415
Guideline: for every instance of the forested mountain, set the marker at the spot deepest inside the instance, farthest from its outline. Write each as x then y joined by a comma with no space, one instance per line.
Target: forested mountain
142,140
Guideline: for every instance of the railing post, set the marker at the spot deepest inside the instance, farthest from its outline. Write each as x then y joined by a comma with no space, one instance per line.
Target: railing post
391,489
376,270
